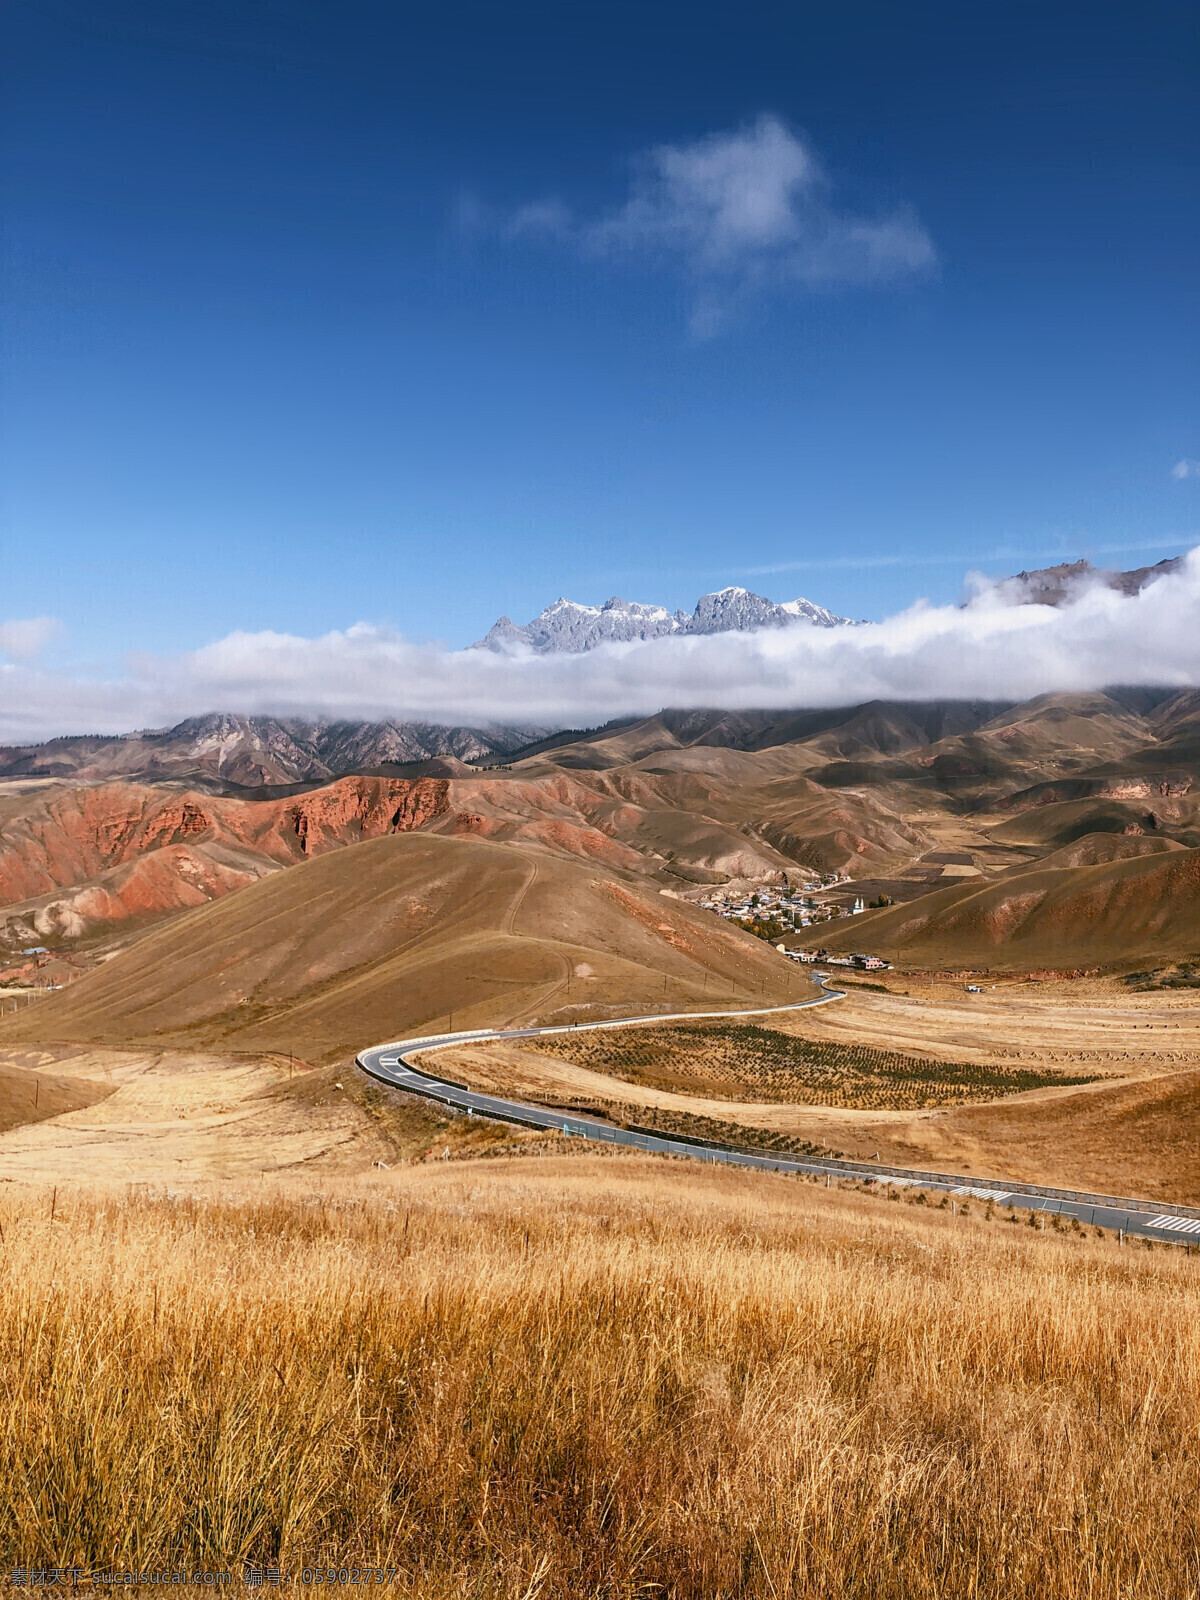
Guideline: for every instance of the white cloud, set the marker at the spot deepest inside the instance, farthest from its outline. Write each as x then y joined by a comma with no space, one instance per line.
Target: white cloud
28,636
1186,469
741,213
987,650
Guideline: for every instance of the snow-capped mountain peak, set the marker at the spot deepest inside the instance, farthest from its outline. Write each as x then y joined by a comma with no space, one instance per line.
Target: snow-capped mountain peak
569,627
562,607
807,611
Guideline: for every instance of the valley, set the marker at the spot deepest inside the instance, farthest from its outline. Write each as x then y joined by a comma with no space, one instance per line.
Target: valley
1047,853
599,999
1058,833
191,964
1071,1085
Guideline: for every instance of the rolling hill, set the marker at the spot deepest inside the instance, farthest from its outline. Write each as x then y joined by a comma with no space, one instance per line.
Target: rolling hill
883,793
397,933
79,862
1148,906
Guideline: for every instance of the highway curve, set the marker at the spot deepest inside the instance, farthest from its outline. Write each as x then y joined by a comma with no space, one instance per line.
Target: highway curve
390,1064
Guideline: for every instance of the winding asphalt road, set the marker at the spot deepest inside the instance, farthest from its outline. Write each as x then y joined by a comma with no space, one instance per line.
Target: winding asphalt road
390,1064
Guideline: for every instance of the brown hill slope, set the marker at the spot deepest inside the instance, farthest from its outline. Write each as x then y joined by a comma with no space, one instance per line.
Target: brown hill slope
1134,1138
1073,916
1061,822
370,943
875,728
1094,848
171,878
75,862
1051,736
32,1091
235,754
1066,728
681,798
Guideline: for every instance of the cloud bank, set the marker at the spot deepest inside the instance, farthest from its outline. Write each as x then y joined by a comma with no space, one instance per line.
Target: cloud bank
740,213
986,649
28,636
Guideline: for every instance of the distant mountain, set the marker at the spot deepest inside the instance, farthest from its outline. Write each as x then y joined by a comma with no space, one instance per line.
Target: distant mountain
1070,792
1054,586
568,628
222,751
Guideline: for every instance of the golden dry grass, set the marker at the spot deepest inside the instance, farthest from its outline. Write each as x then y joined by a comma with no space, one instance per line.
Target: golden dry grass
598,1376
186,1117
1088,1025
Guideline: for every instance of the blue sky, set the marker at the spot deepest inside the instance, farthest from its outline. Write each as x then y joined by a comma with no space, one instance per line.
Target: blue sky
391,313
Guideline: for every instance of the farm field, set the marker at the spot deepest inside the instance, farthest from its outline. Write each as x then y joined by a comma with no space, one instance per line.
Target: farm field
752,1060
589,1375
1078,1084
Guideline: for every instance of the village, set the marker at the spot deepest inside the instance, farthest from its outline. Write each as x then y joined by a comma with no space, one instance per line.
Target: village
773,914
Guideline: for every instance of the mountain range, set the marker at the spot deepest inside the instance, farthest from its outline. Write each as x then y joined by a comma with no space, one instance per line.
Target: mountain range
1076,784
226,752
567,627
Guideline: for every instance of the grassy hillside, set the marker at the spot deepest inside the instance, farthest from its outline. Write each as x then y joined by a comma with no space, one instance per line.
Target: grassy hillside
368,943
1061,822
679,800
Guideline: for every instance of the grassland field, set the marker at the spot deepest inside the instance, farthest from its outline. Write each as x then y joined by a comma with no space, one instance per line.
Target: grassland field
596,1376
258,1310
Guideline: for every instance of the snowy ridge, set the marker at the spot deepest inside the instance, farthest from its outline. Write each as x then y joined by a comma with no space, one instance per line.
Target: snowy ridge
567,627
